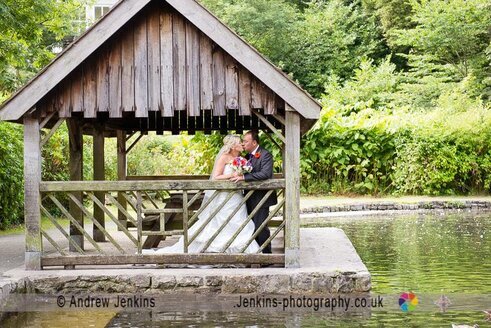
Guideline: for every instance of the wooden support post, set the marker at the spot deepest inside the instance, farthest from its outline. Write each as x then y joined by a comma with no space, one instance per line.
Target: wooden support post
139,220
98,161
292,189
76,174
32,197
121,136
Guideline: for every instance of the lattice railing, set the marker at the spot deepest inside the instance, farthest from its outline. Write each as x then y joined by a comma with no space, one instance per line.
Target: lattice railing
133,215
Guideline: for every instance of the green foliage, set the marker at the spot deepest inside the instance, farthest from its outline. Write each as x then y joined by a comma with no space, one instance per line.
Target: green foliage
206,148
161,155
56,155
311,41
371,87
30,32
445,150
452,34
274,150
265,24
392,14
347,155
11,175
448,151
332,38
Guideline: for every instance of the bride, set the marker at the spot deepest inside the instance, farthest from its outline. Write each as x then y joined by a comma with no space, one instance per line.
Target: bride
222,170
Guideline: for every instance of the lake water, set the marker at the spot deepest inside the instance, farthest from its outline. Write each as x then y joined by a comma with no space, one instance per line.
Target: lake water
427,254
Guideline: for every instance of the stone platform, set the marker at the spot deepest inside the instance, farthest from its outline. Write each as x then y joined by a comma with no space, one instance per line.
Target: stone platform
329,264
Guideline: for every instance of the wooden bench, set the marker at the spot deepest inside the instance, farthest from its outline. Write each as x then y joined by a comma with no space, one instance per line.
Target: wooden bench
158,223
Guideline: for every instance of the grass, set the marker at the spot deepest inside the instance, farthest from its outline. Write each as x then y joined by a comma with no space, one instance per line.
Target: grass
15,230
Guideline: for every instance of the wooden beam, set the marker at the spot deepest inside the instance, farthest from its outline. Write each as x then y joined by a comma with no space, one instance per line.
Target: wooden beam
60,229
112,217
139,220
179,53
32,197
218,83
185,218
206,72
46,120
211,216
265,222
226,221
52,242
192,70
54,186
78,225
99,175
292,191
134,143
129,135
121,148
141,66
269,125
97,224
169,177
280,119
76,174
52,131
246,221
167,62
272,140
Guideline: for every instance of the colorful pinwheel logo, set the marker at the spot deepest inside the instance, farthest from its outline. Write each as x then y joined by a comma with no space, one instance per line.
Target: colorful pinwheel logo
408,302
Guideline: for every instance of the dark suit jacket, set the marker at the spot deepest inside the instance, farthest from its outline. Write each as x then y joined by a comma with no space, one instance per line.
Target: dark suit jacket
262,169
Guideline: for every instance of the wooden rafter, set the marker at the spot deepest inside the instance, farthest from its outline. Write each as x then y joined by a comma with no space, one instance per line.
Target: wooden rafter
134,143
272,140
46,120
269,125
52,132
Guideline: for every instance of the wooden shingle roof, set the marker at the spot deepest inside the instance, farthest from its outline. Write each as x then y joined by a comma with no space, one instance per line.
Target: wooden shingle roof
159,56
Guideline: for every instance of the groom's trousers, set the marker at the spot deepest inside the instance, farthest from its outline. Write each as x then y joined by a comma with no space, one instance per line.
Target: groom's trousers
258,219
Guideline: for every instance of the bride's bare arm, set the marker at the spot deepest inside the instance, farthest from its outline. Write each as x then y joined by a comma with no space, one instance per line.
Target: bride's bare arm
220,168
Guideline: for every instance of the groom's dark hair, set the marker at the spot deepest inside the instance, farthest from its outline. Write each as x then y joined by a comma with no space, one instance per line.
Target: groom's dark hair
254,135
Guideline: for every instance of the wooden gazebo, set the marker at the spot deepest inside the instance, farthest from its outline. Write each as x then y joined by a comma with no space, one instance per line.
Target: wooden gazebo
152,65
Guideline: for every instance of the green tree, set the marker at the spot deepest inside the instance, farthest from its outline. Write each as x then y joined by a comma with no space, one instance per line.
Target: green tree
451,37
11,175
332,39
265,24
30,31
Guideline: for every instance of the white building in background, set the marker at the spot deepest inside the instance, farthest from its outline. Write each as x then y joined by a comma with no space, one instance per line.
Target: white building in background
99,9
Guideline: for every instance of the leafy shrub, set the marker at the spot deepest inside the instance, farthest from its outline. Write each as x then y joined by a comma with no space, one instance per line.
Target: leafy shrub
11,175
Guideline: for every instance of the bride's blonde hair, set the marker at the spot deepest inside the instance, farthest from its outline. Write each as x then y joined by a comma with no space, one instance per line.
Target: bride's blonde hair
230,141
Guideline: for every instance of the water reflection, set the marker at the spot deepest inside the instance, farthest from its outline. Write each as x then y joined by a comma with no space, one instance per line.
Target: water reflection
425,252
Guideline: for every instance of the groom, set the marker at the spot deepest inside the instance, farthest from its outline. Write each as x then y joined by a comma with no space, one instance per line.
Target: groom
262,169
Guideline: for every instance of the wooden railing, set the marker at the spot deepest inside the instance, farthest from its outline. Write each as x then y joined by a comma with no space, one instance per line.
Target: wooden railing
154,209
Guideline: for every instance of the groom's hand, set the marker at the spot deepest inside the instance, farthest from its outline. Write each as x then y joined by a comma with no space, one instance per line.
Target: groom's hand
237,178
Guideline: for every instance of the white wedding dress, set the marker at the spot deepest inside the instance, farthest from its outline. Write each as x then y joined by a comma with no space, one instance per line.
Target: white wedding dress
214,225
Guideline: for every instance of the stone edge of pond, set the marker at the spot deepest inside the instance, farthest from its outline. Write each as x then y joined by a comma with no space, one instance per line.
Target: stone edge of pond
264,281
395,206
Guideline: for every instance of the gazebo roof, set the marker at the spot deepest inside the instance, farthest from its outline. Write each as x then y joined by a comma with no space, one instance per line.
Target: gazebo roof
202,51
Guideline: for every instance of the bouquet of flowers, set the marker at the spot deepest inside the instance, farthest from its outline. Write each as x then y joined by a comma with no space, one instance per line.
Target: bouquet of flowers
241,165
